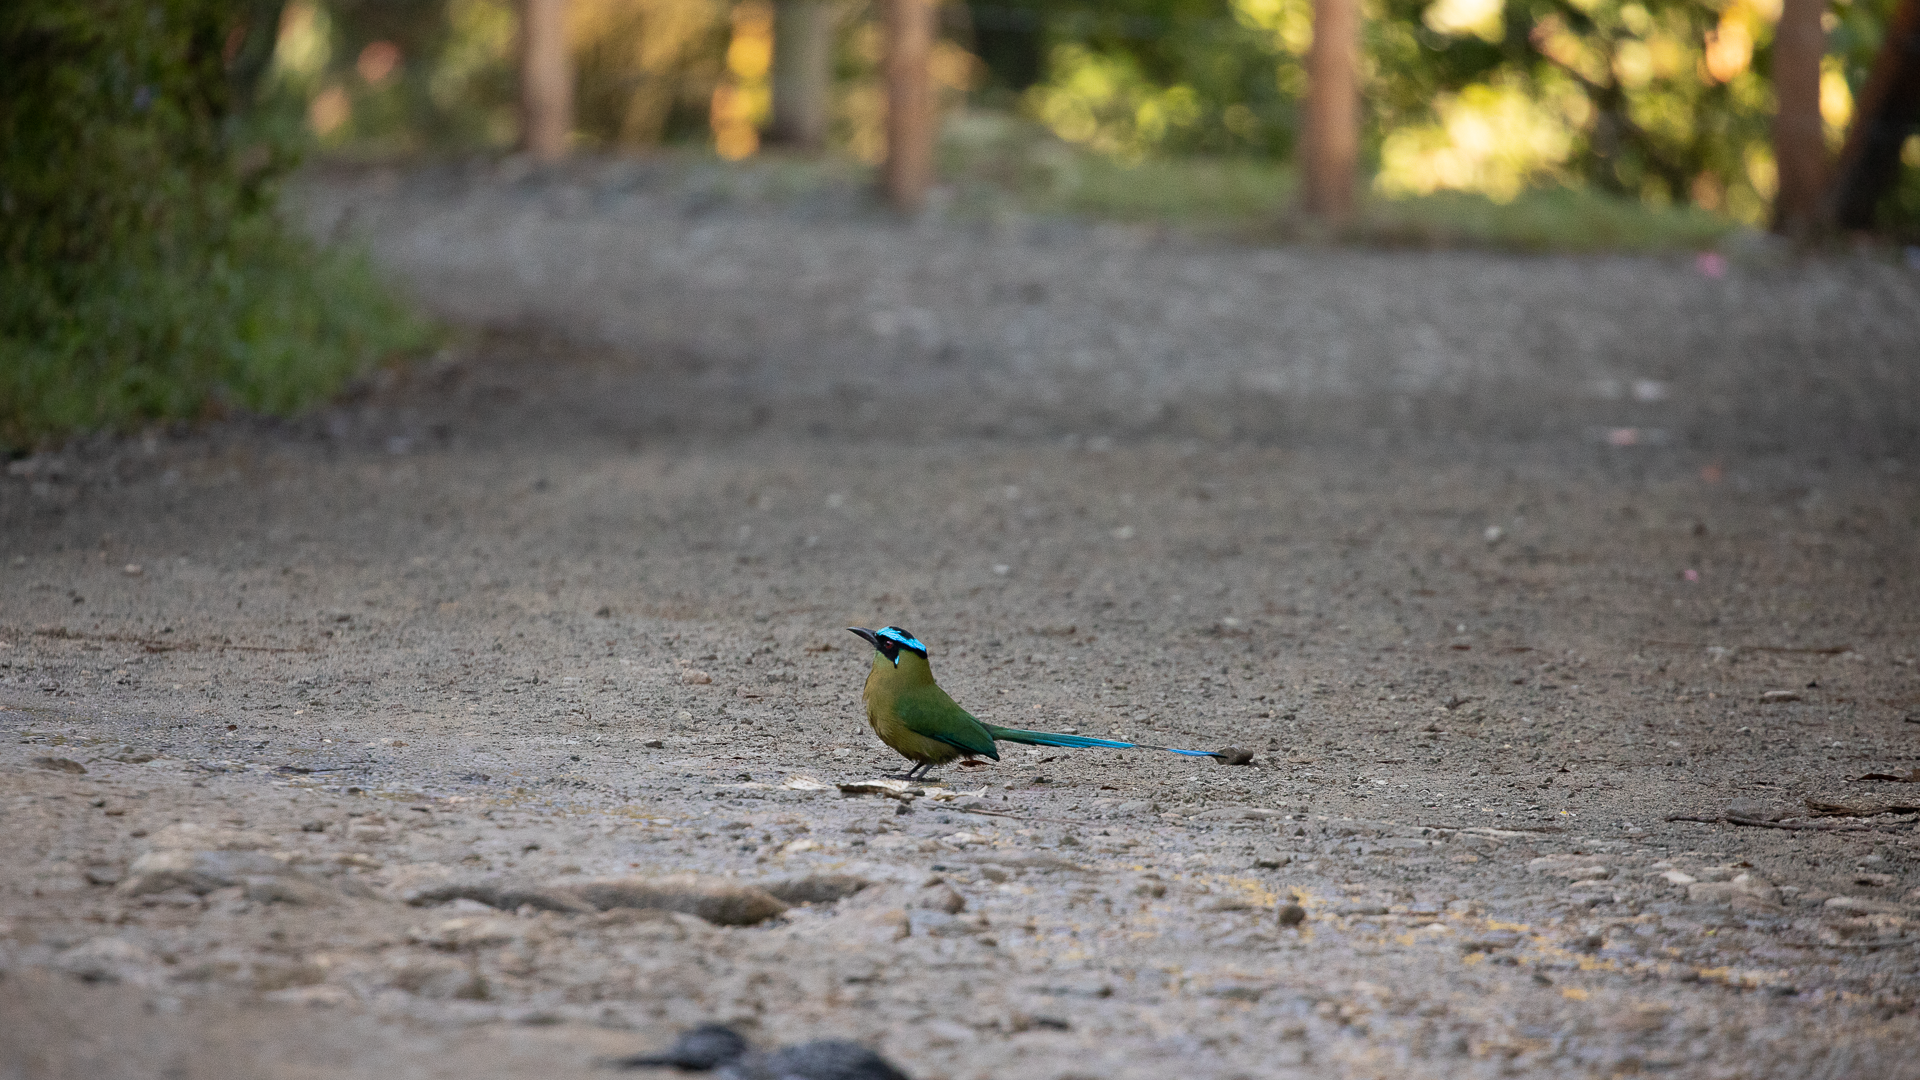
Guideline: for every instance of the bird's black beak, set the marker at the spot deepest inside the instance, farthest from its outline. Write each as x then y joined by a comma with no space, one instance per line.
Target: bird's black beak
871,638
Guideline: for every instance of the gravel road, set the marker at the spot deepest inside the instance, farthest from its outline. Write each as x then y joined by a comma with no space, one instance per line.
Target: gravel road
494,721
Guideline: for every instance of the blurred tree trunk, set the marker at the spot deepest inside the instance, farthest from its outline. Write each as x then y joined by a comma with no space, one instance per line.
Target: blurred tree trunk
802,72
546,79
1330,150
1886,114
910,119
1009,38
1799,144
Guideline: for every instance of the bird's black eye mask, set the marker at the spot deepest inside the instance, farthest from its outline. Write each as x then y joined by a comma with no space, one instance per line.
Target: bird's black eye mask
891,639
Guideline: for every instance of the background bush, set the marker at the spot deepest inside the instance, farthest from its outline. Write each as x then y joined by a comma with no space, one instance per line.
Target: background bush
144,274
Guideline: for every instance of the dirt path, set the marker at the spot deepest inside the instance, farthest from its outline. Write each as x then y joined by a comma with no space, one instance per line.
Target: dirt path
367,701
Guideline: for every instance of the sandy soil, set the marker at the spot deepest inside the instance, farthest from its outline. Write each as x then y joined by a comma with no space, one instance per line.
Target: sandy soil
1497,564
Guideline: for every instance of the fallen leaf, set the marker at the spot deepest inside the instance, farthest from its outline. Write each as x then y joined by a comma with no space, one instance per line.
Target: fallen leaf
892,789
942,794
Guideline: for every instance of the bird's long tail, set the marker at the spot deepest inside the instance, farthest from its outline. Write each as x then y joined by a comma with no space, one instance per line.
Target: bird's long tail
1079,742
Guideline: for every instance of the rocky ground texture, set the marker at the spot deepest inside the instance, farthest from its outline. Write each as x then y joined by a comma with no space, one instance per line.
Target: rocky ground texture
500,720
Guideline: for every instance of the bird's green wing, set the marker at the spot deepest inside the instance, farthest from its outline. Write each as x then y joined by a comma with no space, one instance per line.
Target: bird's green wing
928,711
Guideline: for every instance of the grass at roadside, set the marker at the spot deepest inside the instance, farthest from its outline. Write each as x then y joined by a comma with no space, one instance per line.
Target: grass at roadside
1542,220
992,161
270,324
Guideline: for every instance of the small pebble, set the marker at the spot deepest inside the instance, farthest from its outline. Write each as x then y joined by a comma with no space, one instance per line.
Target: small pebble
1755,810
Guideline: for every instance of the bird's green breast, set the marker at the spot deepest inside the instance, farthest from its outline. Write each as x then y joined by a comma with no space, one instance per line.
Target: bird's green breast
910,713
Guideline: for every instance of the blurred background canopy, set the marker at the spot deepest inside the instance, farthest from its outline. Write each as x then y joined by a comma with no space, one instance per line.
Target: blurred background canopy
1668,102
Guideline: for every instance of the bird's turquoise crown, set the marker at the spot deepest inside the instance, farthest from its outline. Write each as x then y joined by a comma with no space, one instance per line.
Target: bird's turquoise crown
890,640
903,639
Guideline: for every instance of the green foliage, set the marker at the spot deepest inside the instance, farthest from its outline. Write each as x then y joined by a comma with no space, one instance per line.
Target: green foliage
144,274
1139,78
382,78
1665,101
393,78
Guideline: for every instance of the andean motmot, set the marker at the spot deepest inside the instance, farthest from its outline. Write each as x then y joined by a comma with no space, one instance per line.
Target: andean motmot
910,712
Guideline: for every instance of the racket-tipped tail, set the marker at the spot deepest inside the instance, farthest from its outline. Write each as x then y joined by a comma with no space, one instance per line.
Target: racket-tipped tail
1082,742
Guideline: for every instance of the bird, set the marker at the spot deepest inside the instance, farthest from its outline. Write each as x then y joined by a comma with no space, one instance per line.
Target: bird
910,712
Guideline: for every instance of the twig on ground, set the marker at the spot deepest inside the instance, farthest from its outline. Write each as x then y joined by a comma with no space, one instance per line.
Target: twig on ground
1803,826
1822,808
1499,828
1810,826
